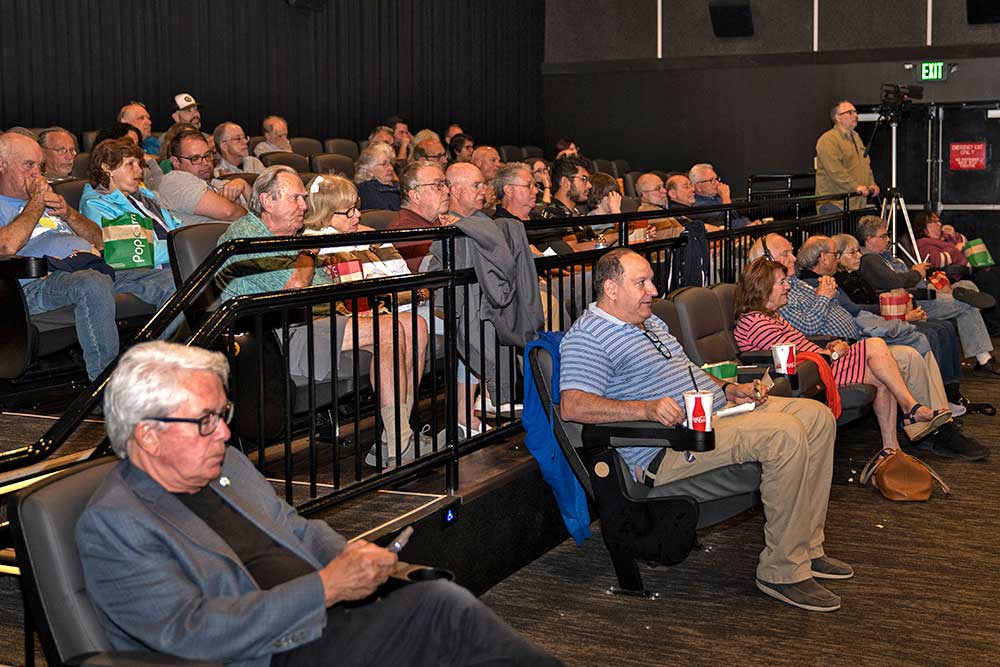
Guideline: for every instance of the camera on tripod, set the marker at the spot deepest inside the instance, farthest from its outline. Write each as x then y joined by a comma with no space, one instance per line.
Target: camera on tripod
897,98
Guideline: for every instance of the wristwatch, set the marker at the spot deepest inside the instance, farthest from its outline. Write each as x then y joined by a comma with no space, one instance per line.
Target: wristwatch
834,355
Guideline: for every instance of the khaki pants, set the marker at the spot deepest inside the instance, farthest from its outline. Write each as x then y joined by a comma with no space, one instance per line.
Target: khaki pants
922,376
792,438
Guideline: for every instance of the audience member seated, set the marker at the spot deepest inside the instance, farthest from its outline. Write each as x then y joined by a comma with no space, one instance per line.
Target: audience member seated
605,197
116,189
515,191
381,134
467,193
59,148
680,194
710,191
816,312
277,209
653,197
36,222
543,181
460,147
488,160
762,291
454,129
135,114
940,249
566,148
238,576
167,144
425,198
431,151
619,362
275,136
572,180
885,272
151,170
189,190
186,110
376,178
234,154
854,292
401,138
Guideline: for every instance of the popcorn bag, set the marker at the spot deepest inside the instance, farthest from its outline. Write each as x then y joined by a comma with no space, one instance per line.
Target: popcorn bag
939,280
893,306
128,241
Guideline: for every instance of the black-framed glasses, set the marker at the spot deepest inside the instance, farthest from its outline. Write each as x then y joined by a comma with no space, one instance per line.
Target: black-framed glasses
848,111
351,212
530,186
64,151
198,159
657,343
583,179
206,424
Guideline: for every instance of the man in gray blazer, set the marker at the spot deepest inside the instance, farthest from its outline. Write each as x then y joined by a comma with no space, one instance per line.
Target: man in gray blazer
187,550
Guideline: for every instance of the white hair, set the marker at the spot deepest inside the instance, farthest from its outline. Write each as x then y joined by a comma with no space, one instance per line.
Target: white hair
147,383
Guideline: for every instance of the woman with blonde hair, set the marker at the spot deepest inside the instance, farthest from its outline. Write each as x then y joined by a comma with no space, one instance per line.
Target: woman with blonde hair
375,175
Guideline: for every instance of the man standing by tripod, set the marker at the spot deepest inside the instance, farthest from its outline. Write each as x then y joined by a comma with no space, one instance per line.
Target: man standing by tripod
841,162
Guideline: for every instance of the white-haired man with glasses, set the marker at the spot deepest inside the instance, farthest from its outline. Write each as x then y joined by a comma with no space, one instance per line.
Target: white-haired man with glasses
619,362
59,146
187,550
191,191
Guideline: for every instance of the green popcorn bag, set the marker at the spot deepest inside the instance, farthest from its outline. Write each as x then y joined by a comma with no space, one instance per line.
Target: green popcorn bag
128,241
724,370
978,254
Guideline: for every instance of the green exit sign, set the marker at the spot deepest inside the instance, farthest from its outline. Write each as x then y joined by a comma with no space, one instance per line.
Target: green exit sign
934,70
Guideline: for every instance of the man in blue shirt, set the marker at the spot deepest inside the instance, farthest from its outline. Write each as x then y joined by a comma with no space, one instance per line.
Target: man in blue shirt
619,362
710,191
36,222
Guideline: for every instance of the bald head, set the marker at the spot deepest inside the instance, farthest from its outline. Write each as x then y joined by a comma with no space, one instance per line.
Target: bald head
468,188
650,189
20,163
488,161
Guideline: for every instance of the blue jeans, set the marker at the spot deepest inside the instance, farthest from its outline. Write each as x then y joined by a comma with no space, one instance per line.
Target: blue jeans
971,328
944,343
93,296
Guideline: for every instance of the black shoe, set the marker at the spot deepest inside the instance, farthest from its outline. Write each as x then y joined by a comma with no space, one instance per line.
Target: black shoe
807,595
951,443
980,300
990,369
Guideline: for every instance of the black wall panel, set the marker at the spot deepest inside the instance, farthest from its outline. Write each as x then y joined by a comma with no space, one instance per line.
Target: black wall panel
778,28
331,73
951,26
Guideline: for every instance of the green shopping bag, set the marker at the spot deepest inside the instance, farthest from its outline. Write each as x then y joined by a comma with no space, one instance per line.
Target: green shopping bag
978,254
128,241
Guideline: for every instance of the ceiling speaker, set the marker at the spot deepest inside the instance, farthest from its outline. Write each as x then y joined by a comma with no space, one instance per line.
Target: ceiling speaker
731,18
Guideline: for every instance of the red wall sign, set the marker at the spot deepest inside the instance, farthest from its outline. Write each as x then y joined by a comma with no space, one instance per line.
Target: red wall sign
968,155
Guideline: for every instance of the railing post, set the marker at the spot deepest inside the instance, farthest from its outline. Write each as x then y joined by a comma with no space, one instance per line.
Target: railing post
451,366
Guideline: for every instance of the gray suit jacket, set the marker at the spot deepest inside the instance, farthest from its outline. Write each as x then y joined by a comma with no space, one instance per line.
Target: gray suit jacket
161,579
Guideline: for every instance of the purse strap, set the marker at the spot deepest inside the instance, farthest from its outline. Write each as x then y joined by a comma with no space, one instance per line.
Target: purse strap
937,477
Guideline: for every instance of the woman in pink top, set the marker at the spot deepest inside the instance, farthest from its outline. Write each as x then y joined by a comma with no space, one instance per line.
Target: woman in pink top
763,289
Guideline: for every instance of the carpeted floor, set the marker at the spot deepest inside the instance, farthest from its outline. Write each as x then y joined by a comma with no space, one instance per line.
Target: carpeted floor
925,592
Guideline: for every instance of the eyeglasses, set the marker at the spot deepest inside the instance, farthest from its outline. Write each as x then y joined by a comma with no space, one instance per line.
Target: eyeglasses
351,212
241,137
64,151
206,424
657,343
530,186
435,156
198,159
856,251
849,111
442,184
585,179
708,180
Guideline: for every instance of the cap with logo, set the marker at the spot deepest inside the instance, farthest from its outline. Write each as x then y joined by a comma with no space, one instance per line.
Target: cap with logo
185,101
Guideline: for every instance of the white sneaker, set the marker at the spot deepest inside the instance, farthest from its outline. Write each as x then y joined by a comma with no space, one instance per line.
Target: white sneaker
504,408
463,433
409,453
956,409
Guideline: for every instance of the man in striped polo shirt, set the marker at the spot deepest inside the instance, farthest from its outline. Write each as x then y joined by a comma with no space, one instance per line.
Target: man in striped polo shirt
619,362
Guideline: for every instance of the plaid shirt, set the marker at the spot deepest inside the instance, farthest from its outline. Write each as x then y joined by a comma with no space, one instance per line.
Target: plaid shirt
814,314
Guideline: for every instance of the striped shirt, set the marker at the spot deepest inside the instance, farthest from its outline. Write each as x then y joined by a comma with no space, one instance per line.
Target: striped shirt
605,356
758,332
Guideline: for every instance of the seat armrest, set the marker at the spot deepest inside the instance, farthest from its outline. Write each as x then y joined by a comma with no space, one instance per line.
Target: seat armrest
922,293
756,358
646,434
822,341
957,271
751,372
135,659
17,266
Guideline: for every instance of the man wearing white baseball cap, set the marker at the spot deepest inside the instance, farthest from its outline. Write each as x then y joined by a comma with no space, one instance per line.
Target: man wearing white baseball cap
187,110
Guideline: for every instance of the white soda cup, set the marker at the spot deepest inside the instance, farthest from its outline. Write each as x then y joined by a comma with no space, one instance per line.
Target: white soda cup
784,358
698,405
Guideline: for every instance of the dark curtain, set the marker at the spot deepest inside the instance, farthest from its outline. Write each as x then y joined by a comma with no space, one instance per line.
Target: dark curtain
333,73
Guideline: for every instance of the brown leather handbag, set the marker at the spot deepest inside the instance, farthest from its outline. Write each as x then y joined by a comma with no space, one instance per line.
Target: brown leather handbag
899,476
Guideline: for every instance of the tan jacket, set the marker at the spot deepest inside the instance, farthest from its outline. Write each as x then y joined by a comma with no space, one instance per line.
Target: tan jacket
841,166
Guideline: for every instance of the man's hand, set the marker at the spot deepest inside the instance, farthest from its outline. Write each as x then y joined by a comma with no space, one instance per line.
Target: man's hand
916,315
236,188
827,287
56,204
615,201
664,410
746,392
37,187
724,193
862,190
355,574
446,219
921,268
873,189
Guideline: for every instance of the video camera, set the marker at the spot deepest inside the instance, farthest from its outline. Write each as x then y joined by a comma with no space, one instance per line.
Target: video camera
897,98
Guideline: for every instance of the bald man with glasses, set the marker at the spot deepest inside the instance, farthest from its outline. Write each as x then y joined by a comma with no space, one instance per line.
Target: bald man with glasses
841,163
